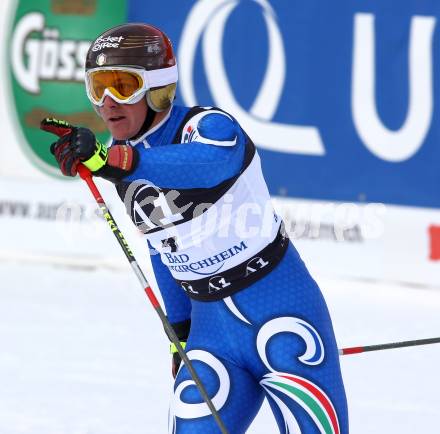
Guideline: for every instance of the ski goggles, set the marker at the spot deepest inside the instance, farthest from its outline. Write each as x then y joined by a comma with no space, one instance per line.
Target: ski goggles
125,85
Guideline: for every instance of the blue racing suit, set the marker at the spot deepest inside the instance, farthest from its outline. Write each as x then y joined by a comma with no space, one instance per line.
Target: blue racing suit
222,259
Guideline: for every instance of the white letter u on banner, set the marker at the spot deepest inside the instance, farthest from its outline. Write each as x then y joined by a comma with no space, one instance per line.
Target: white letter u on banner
400,145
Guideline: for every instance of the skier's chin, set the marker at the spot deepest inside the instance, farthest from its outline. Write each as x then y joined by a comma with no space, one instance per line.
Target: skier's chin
119,128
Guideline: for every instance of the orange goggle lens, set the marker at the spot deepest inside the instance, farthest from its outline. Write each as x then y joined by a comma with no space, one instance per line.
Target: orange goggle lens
122,84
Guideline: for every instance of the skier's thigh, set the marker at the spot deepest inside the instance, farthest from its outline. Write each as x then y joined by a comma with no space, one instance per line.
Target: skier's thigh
234,392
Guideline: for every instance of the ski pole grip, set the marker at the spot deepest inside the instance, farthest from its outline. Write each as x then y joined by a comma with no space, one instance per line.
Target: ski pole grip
83,172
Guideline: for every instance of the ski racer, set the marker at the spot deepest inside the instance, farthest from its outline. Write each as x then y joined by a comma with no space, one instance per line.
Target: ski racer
239,297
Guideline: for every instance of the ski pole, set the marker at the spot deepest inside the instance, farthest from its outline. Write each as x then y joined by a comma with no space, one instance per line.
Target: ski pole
389,346
86,175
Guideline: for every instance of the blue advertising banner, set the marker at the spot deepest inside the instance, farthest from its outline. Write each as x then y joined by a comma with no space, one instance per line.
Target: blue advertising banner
340,97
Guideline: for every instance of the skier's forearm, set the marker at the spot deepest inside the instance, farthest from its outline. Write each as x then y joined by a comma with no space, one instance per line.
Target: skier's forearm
177,303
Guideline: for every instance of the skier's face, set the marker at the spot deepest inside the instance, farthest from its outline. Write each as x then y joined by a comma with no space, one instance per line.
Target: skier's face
123,120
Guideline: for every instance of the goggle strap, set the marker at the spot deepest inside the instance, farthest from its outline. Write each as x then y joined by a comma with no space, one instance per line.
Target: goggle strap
162,77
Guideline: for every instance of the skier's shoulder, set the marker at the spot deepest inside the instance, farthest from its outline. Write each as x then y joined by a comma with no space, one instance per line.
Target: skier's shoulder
209,125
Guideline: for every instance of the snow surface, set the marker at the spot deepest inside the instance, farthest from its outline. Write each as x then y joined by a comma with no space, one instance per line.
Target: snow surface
82,352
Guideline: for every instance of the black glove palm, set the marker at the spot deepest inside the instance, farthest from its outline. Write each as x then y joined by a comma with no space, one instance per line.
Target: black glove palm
75,145
182,331
79,145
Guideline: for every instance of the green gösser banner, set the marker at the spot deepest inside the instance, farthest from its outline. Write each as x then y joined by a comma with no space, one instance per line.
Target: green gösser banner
47,46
